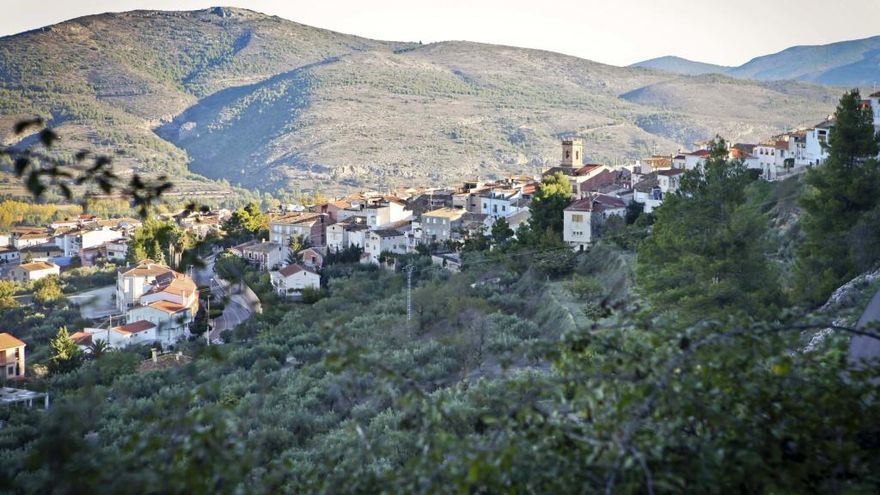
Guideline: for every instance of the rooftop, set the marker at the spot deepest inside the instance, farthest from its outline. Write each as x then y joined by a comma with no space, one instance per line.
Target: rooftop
135,327
7,341
294,269
147,268
450,213
37,265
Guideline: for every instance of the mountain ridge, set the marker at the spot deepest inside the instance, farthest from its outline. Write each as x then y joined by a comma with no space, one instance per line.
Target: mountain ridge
250,99
850,63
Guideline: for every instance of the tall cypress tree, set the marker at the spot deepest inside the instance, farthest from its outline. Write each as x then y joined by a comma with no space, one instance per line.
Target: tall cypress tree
838,196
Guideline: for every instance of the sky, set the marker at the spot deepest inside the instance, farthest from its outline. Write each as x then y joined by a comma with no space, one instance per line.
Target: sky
618,32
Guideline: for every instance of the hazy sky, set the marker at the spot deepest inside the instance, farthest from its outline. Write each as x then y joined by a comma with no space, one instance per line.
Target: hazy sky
613,31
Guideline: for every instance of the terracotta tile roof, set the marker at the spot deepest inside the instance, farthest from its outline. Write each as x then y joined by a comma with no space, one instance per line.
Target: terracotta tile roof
82,338
701,153
294,269
7,341
147,268
295,218
134,327
167,306
37,265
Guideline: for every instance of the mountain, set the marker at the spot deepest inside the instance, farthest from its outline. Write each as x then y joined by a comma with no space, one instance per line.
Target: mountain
239,96
680,65
854,63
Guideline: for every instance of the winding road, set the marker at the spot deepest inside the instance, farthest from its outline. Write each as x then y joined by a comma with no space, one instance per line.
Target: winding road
239,306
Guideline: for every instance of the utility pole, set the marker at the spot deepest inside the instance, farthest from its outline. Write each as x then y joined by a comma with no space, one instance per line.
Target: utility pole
409,270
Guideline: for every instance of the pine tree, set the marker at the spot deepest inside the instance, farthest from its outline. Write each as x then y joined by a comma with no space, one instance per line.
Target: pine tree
705,256
839,195
64,354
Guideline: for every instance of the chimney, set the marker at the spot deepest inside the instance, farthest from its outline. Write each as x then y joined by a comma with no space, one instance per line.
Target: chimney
155,355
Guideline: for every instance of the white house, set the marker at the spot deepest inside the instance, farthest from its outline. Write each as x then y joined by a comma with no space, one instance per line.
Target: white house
266,255
307,225
133,282
292,279
694,159
9,254
74,242
816,138
118,337
29,272
343,234
584,218
172,320
384,240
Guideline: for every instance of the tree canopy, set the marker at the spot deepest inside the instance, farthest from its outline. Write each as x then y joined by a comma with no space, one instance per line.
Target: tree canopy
706,254
841,205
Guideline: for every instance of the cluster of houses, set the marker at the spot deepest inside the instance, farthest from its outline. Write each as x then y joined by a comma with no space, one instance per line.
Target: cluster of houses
157,303
31,253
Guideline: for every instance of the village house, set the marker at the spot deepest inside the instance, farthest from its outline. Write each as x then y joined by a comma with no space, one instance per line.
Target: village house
292,279
30,238
118,337
75,241
501,203
9,254
264,255
312,258
133,282
306,225
29,272
346,233
584,218
156,294
12,358
439,225
448,261
44,252
383,241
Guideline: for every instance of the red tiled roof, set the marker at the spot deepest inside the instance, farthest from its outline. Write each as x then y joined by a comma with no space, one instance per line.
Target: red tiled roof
82,338
135,327
294,269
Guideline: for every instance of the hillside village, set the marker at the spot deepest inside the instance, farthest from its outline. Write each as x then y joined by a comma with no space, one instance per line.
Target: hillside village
156,305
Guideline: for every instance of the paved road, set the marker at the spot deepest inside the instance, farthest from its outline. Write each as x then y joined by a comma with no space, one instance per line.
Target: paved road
239,306
863,348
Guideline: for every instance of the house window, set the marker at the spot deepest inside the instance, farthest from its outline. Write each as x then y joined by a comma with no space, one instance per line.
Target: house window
577,218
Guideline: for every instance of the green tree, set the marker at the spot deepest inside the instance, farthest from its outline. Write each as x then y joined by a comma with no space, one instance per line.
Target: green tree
231,268
839,195
153,239
247,222
550,200
501,232
7,294
296,244
98,348
705,256
47,289
64,354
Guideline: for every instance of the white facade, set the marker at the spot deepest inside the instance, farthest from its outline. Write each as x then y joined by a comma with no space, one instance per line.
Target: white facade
379,241
385,213
293,279
577,229
171,326
29,272
72,243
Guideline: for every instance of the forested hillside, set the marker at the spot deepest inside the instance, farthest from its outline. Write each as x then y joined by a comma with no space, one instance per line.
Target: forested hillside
267,103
